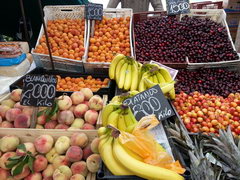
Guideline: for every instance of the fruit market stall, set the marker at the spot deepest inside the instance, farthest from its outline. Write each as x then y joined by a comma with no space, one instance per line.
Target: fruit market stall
112,108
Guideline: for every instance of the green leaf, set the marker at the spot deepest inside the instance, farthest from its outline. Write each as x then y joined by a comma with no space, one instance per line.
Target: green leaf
30,163
14,158
11,164
20,166
40,113
22,147
48,111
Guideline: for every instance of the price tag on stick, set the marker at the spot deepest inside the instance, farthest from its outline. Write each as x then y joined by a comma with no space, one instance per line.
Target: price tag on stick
150,101
175,7
94,11
39,90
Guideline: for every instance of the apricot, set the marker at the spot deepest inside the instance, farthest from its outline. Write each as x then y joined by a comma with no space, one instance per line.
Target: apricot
79,168
40,163
6,124
94,145
77,123
60,160
66,117
29,148
79,139
88,126
87,152
96,103
48,172
74,153
41,119
9,143
51,155
50,125
4,174
3,110
93,162
62,144
91,116
64,102
62,173
4,159
16,95
87,93
77,177
77,97
22,121
8,102
62,126
11,114
25,172
34,176
80,110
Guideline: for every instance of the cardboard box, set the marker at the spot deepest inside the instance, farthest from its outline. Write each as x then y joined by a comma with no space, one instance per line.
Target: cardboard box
233,19
207,5
233,5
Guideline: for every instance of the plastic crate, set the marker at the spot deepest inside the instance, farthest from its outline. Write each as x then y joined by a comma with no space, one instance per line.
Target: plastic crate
217,15
110,13
62,12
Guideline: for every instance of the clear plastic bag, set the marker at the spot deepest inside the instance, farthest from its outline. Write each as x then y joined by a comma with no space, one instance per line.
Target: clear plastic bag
143,144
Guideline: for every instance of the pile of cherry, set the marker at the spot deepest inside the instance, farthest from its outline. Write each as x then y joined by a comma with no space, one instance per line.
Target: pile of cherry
209,113
166,39
213,81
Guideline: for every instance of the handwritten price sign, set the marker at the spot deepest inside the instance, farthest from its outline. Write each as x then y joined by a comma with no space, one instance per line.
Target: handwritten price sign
175,7
151,101
38,90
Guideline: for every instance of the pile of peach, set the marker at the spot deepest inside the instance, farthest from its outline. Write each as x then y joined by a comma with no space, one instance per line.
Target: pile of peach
76,84
79,111
12,114
66,38
71,158
111,36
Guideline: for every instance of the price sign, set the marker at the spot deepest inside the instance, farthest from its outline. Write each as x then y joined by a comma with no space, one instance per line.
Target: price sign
94,11
175,7
151,101
39,90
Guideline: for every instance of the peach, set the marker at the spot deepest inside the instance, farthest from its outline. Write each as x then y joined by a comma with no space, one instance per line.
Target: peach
6,124
87,93
12,113
66,117
79,139
79,168
38,126
93,162
86,102
54,117
16,95
43,143
72,108
1,119
62,173
74,154
25,172
77,97
80,110
4,159
34,176
4,174
41,119
59,161
87,152
88,126
62,144
91,116
48,172
61,126
3,110
27,111
96,103
29,148
94,145
8,102
77,177
19,106
22,121
64,102
78,123
50,125
51,155
9,143
40,163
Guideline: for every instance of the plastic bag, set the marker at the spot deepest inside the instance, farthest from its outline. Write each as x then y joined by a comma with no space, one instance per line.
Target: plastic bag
143,144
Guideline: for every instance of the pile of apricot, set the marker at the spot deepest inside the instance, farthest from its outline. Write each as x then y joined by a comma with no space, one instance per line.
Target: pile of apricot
76,84
66,37
111,36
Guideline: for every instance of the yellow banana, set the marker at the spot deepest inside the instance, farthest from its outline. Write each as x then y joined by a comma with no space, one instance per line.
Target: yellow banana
166,75
118,69
135,77
167,88
112,164
155,79
131,128
121,123
133,93
102,131
107,110
113,65
160,78
128,78
149,83
113,118
142,169
172,94
122,75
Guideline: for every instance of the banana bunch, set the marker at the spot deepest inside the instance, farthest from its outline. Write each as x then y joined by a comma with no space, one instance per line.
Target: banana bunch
125,71
123,97
119,116
122,161
152,74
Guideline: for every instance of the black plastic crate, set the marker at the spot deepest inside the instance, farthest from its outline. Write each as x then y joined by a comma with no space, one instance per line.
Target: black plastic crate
109,90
